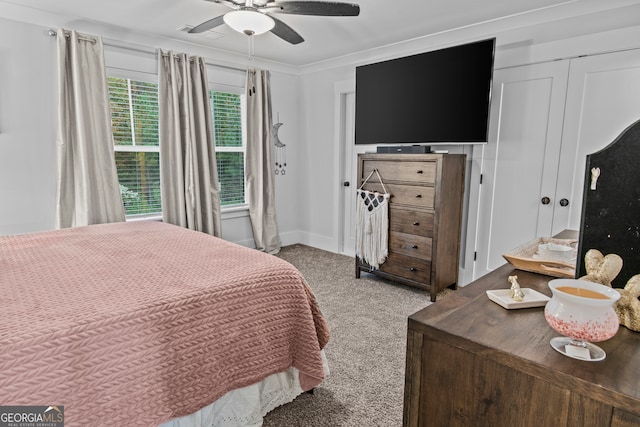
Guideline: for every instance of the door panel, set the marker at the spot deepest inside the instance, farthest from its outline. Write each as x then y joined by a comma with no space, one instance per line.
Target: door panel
603,99
520,160
564,110
349,172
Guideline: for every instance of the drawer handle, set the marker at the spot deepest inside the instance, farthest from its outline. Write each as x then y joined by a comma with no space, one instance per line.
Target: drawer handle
416,223
414,246
419,196
413,269
420,171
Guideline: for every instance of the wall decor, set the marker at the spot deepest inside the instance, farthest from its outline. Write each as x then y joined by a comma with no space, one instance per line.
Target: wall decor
281,149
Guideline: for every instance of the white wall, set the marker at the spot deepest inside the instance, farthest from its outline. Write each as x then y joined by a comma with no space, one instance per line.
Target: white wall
518,46
317,159
303,97
27,128
286,110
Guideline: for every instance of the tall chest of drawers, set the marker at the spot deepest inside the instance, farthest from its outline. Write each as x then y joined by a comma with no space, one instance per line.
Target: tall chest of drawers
425,216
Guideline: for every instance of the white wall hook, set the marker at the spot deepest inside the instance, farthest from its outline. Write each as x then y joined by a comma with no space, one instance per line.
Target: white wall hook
595,173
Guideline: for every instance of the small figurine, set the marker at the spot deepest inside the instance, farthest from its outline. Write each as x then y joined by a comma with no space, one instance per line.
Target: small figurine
595,173
628,306
516,292
601,269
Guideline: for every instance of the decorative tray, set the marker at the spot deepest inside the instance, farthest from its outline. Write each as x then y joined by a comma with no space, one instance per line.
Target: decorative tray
532,298
525,257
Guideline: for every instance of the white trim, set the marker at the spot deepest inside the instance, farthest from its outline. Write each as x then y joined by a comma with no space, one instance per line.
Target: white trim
290,237
130,74
137,148
466,273
238,211
317,241
341,88
239,92
231,149
221,87
143,217
517,29
235,211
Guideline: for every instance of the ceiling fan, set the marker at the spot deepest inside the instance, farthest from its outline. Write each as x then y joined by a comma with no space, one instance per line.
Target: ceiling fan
252,18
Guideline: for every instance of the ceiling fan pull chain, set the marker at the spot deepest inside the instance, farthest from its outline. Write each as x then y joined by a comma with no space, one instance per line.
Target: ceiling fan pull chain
250,41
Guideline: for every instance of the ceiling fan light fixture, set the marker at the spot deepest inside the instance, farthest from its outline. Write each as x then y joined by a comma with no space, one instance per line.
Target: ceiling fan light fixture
249,22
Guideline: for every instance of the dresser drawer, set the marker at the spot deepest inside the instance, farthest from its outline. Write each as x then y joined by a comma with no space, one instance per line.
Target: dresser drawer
423,172
411,221
408,195
408,267
424,216
410,244
412,195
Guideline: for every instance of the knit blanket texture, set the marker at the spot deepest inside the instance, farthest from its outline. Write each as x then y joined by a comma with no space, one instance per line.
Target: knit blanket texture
141,322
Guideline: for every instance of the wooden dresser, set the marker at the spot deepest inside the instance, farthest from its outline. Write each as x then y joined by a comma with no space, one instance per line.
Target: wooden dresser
471,362
425,214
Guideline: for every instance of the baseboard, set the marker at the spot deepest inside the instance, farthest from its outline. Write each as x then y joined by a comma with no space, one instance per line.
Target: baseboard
290,238
462,279
349,252
317,241
329,244
249,243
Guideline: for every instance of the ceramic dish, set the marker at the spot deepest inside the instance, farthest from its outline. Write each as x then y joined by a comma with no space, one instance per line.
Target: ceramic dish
532,298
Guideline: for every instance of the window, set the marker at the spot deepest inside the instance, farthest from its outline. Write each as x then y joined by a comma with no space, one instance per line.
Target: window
134,119
230,145
134,116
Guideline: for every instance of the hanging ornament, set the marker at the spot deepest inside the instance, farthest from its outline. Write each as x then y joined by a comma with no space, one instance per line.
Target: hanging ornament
281,150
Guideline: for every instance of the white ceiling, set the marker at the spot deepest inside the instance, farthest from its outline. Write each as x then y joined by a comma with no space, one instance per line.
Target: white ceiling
381,22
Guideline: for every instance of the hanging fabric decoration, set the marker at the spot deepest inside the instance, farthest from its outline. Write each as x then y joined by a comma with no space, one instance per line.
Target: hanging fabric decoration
372,224
281,150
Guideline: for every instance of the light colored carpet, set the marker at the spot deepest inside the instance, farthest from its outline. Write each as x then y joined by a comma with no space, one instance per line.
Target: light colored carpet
368,322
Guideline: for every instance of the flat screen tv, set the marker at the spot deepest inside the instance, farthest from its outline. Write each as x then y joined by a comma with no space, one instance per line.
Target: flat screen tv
436,97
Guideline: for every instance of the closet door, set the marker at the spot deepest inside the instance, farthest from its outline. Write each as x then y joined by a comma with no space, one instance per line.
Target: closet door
603,99
520,161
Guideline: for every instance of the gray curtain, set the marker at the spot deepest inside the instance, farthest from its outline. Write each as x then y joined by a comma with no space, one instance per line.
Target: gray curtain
87,188
188,172
260,173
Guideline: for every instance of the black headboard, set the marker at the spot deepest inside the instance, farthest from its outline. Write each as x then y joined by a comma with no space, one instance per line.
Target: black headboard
611,209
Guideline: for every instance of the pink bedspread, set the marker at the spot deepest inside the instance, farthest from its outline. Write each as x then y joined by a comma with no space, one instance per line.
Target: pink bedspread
138,323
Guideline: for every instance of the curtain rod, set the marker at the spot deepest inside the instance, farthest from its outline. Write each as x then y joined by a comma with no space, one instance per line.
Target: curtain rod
148,51
54,33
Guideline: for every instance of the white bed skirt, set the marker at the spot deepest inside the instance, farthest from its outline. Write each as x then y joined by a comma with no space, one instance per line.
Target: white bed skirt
245,407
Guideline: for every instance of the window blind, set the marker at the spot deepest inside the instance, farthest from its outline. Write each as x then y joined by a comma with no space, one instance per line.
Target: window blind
229,146
134,117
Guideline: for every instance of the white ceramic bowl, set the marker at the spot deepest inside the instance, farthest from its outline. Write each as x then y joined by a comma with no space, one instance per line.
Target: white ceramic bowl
582,319
556,252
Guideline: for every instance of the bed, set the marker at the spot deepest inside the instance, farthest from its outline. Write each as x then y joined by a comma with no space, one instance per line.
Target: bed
145,323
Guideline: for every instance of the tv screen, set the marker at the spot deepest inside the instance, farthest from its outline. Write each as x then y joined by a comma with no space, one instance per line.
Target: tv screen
434,97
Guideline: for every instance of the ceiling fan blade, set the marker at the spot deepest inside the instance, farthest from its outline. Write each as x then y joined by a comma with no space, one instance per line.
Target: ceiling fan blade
207,25
318,8
285,32
230,3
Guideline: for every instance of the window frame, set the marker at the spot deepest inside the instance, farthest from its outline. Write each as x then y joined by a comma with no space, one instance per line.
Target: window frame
218,87
148,78
230,211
